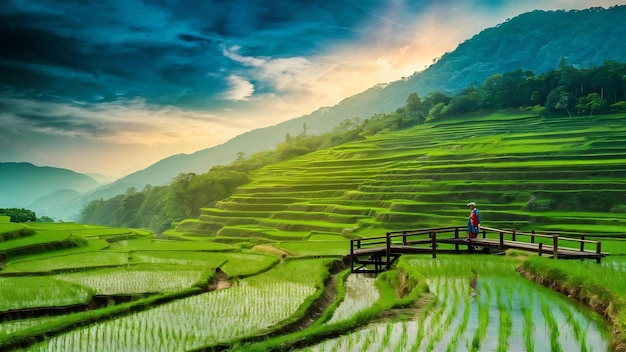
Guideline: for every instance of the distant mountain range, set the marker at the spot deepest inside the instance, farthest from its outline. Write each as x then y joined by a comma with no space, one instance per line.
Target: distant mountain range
22,184
534,41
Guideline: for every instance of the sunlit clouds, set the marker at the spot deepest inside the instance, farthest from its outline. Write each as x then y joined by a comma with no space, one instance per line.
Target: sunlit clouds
150,79
239,88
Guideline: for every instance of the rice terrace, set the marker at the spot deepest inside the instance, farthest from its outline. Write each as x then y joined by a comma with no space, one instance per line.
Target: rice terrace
272,266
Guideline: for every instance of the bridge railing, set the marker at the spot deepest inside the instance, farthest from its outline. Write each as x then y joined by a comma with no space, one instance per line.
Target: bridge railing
552,242
419,236
384,250
555,239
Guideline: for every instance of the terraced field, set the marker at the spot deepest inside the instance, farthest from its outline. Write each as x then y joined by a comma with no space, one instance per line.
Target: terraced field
263,271
565,174
113,289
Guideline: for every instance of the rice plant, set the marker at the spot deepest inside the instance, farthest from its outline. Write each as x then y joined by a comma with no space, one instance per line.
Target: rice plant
507,313
506,324
529,327
9,327
134,279
70,261
40,291
190,323
361,293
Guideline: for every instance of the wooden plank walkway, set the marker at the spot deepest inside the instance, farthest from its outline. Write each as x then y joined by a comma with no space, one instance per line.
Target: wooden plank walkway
377,254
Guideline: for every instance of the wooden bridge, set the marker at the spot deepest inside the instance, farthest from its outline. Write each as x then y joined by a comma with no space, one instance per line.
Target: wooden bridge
377,254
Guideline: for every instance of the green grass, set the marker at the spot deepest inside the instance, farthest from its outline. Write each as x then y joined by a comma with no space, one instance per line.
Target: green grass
234,264
10,227
168,245
41,291
36,239
68,261
315,248
136,279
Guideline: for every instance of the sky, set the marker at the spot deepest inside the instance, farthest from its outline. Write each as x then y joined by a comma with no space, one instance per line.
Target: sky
111,87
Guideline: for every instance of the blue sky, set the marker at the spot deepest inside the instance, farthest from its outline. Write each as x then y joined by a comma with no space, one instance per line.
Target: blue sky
114,86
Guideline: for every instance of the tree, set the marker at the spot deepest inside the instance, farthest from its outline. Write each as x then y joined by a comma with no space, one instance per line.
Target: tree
436,112
124,215
45,219
413,108
620,106
464,103
18,214
592,102
559,99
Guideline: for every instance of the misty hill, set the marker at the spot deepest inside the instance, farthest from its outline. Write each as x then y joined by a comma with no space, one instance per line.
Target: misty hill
23,183
533,41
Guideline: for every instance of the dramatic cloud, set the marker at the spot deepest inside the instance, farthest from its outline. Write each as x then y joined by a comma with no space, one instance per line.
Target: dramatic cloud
81,79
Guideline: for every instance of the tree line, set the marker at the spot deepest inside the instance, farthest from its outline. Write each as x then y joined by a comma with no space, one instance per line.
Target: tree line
22,215
565,91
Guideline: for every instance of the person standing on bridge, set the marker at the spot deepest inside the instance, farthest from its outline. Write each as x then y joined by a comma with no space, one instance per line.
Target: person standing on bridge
473,223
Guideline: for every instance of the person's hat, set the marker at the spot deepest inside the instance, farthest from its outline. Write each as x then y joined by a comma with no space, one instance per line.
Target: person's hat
471,203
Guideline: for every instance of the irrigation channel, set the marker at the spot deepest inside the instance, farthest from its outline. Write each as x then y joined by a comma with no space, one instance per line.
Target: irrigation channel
478,304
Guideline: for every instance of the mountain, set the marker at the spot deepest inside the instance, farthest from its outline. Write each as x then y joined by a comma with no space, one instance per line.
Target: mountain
534,41
23,183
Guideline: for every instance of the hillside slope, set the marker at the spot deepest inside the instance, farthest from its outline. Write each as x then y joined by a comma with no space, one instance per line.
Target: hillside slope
524,172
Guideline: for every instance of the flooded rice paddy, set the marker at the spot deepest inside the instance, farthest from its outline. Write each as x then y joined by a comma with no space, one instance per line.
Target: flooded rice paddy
481,307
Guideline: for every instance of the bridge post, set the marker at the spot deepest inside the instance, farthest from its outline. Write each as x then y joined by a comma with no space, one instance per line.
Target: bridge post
540,248
555,246
582,243
513,235
598,252
434,243
351,256
532,237
456,235
501,239
388,251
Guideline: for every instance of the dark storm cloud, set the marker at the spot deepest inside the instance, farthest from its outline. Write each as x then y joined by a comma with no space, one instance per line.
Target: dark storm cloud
168,52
